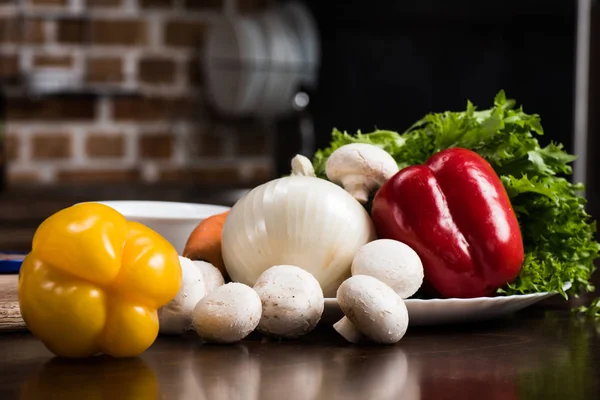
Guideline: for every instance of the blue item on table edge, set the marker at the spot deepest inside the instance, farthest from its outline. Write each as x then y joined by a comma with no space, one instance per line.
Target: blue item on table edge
10,262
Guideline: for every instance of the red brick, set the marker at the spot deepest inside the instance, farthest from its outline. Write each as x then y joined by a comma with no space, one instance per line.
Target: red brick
125,175
73,31
204,4
24,177
49,2
9,67
151,108
194,71
164,4
47,60
19,30
9,31
130,109
252,145
261,174
100,145
226,175
11,147
157,146
34,31
211,145
51,146
185,33
155,70
50,109
104,69
119,32
103,3
103,31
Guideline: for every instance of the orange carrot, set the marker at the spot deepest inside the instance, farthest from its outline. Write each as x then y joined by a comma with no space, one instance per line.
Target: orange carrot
204,242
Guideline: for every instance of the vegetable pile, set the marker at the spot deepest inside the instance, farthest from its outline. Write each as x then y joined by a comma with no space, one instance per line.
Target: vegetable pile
463,204
558,234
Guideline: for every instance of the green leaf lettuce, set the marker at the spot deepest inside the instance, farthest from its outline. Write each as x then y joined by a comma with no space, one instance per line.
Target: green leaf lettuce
558,234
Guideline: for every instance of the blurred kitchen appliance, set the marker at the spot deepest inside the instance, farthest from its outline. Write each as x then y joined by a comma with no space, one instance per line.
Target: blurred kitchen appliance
265,66
255,64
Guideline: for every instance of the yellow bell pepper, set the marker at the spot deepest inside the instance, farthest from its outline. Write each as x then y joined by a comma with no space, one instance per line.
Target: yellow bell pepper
93,282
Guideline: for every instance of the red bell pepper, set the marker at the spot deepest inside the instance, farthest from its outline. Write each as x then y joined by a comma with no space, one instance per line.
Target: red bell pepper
455,213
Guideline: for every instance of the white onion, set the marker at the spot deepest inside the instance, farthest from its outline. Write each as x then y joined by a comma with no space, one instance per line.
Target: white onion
297,220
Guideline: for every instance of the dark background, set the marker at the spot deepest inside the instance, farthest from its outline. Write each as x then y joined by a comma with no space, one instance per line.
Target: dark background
388,63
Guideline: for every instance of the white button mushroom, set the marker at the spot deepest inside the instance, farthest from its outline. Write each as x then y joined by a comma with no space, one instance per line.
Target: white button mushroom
176,316
372,308
392,262
360,168
292,301
301,165
228,314
212,276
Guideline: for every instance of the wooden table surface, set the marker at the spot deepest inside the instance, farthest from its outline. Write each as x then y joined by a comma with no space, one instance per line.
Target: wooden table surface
10,316
535,354
540,353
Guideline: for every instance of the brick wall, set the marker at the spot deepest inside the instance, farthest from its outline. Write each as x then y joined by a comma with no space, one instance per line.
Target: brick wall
135,111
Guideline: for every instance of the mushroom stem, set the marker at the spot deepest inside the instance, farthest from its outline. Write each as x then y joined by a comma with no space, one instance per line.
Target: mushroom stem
357,187
348,330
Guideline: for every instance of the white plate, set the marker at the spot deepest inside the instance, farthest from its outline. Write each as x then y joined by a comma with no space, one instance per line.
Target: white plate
447,311
173,220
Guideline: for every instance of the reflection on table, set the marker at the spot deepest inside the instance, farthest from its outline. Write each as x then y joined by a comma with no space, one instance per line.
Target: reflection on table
530,356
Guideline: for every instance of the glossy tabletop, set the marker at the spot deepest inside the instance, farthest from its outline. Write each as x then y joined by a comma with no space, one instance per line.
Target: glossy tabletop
535,354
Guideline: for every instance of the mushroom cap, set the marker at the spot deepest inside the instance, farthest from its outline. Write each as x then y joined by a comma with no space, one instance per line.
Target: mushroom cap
213,278
374,308
176,316
228,314
373,163
392,262
292,301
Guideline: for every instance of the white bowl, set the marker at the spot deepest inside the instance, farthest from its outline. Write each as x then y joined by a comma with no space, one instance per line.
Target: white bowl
174,221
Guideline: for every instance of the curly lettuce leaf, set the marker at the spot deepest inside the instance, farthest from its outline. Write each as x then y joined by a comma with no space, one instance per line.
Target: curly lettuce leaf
558,234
